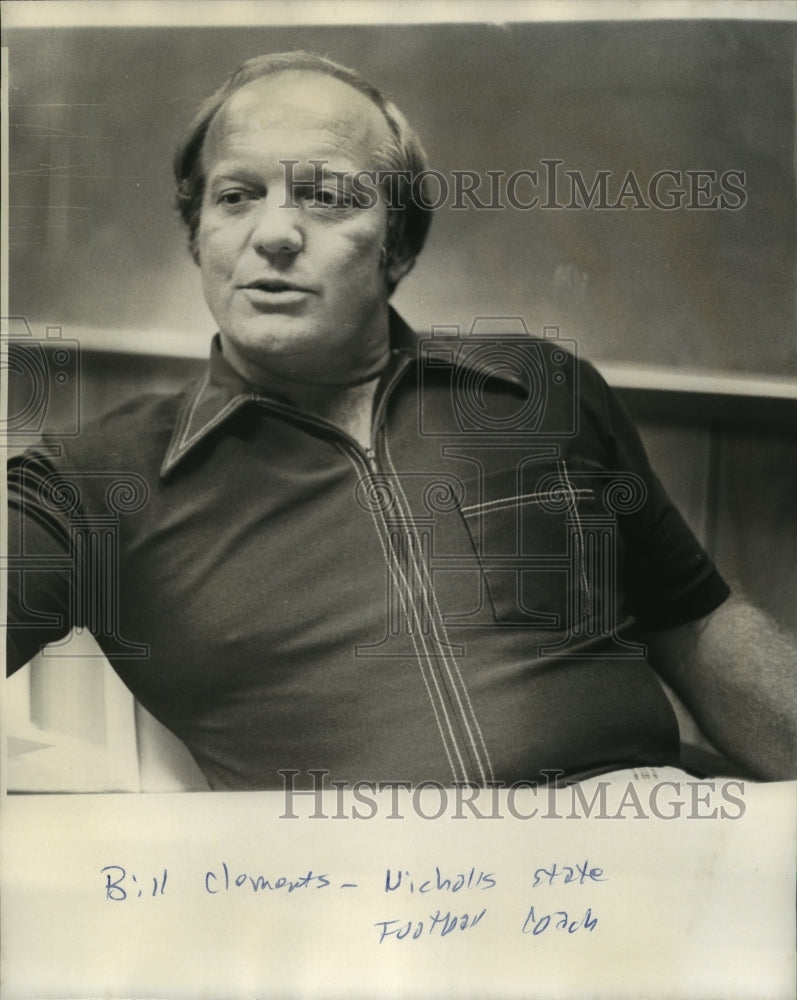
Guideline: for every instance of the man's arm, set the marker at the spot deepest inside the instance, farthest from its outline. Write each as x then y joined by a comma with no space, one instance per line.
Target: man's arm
737,673
40,580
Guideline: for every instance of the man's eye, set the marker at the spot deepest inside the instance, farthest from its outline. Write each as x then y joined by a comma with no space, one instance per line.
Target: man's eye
328,198
234,197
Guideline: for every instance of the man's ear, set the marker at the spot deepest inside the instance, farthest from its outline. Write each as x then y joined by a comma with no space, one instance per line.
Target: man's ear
193,248
398,269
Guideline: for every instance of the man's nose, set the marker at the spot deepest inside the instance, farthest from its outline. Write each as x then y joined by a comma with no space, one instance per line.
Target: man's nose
279,226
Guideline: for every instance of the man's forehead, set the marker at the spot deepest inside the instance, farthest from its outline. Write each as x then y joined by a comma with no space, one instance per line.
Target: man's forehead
302,102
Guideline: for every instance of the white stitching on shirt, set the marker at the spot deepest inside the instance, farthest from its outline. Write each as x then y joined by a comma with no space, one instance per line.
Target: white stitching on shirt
521,500
583,572
455,677
184,443
405,594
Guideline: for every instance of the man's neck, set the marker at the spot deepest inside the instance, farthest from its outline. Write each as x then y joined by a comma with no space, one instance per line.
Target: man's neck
344,398
349,407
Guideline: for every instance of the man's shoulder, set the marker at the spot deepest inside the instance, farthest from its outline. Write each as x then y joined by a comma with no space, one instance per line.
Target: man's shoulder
109,464
513,381
510,353
132,435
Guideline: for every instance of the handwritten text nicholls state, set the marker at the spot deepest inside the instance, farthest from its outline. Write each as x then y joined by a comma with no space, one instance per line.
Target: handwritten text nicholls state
121,884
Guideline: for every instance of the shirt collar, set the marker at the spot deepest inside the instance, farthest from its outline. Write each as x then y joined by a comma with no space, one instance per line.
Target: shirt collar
222,391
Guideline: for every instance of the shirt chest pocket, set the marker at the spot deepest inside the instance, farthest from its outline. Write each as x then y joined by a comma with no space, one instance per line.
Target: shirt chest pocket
545,543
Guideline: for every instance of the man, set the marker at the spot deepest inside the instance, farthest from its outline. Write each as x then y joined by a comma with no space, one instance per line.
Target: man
338,554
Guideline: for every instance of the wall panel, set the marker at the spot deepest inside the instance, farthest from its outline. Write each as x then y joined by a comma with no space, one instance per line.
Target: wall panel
756,518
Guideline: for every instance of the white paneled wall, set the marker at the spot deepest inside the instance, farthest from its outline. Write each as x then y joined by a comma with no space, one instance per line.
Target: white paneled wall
72,726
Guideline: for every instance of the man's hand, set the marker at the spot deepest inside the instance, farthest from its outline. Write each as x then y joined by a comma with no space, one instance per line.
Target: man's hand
737,673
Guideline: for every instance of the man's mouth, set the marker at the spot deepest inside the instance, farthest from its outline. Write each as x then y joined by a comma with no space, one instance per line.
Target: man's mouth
275,285
275,293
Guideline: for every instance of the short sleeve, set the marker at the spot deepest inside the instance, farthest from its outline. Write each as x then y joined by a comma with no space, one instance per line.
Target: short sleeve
40,568
667,576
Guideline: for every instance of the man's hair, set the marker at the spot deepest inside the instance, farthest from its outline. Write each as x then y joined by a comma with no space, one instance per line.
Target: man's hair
409,216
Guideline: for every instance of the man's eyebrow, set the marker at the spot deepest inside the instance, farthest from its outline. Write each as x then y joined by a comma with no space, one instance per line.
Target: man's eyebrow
324,176
318,167
297,171
230,170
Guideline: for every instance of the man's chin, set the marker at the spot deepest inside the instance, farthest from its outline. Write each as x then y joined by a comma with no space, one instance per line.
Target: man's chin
279,335
274,350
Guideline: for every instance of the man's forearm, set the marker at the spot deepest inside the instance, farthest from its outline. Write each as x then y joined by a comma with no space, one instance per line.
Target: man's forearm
737,673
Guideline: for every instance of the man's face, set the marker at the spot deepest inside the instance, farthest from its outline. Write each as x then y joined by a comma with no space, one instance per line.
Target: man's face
291,266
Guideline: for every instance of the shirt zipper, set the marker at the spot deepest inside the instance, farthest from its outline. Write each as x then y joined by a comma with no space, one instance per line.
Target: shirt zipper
368,459
366,456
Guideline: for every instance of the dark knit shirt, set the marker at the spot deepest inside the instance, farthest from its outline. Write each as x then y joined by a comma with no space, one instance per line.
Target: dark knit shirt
463,601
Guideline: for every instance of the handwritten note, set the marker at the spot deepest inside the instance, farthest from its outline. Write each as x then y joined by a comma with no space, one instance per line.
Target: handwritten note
223,895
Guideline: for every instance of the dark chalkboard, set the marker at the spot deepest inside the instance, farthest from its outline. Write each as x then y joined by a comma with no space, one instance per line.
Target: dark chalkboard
95,242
